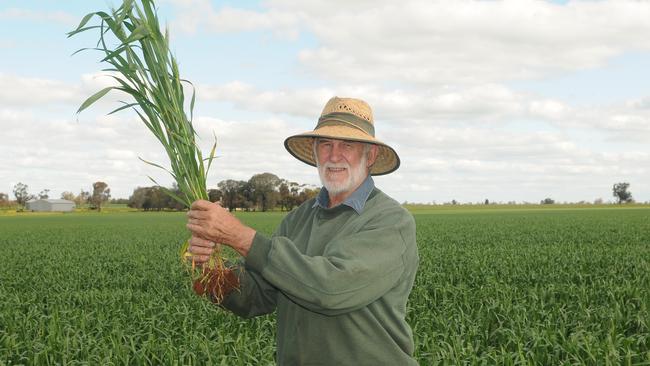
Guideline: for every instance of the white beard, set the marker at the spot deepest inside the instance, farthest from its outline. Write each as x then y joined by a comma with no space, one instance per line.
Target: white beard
355,177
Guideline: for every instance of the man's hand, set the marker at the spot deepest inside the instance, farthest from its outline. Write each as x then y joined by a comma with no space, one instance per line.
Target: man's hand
215,224
201,249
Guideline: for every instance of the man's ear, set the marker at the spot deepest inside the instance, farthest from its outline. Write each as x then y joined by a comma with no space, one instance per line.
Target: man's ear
372,155
314,142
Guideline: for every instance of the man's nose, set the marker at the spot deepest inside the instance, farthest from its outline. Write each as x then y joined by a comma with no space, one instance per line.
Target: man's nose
335,154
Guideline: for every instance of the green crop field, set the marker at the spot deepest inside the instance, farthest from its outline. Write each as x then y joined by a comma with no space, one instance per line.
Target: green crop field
494,287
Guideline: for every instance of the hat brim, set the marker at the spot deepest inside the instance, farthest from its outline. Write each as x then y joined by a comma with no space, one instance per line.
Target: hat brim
302,148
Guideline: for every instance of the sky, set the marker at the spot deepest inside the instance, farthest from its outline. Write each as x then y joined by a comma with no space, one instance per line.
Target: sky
514,100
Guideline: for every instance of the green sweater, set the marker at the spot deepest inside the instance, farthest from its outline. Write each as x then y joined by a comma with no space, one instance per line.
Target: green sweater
339,281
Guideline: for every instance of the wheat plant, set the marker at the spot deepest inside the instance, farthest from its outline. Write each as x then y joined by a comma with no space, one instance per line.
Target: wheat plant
140,61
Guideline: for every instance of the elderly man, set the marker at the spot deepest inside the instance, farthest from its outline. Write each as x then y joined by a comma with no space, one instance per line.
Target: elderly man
340,267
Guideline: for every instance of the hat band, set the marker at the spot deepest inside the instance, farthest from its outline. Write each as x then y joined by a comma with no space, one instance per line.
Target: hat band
336,118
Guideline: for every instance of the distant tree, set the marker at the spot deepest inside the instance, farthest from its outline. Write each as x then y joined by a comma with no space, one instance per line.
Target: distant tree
157,199
101,194
547,201
487,201
174,204
307,194
295,199
44,194
119,201
138,197
598,201
289,194
214,195
619,190
67,196
4,197
284,194
265,190
21,194
230,193
246,196
154,198
82,197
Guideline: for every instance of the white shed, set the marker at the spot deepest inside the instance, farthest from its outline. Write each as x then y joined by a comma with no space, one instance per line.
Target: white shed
50,205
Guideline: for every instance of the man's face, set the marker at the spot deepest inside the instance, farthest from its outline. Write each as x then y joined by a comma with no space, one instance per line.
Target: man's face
342,165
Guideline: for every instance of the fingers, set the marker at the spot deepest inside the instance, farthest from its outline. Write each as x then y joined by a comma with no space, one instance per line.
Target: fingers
197,214
201,246
200,249
200,216
210,220
195,229
201,205
198,226
194,222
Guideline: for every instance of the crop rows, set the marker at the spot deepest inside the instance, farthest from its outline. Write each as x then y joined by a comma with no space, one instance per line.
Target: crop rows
497,287
545,288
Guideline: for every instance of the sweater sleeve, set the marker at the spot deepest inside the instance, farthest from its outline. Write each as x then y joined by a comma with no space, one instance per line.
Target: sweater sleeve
255,296
352,272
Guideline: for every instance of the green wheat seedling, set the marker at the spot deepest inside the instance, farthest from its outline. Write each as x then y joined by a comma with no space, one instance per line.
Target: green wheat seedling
146,70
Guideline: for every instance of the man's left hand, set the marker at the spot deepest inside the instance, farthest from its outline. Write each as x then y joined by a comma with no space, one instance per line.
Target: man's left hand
212,222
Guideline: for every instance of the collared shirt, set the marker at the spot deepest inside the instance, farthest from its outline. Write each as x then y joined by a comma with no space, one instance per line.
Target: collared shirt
357,200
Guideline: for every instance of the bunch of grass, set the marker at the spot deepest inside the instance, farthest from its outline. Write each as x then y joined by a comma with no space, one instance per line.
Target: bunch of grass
146,70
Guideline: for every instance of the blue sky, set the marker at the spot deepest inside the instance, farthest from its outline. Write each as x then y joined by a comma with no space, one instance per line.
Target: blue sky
504,100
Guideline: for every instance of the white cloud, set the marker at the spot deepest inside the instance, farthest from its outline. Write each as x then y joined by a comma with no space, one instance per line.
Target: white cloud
298,102
549,109
478,102
16,90
37,16
200,14
469,41
625,122
421,42
66,155
461,162
470,106
31,91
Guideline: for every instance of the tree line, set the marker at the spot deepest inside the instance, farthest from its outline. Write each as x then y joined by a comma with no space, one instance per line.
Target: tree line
262,192
619,191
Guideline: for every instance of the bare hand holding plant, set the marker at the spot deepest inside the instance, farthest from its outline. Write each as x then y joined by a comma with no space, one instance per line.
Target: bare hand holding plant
210,225
213,223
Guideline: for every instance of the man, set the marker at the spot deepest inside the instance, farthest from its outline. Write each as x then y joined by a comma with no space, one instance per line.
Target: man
340,267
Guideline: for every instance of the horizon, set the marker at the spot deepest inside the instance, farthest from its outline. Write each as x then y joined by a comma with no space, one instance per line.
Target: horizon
453,202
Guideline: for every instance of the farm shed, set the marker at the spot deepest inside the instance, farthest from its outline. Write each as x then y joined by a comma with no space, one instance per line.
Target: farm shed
50,205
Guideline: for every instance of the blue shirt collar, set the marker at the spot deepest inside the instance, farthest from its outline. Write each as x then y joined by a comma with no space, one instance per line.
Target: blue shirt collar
357,200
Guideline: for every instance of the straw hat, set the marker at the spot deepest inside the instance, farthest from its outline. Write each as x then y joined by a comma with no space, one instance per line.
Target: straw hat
344,119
